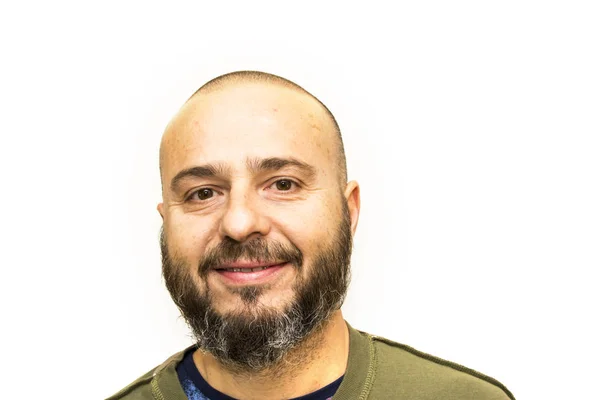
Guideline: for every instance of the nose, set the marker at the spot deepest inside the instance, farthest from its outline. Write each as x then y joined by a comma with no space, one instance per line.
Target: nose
243,219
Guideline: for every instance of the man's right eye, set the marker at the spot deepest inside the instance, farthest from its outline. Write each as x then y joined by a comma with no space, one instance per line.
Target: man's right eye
202,194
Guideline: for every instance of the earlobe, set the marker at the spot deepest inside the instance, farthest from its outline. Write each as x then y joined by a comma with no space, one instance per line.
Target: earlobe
352,195
159,207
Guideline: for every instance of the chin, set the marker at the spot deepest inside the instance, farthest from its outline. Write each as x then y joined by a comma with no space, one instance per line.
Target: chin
249,299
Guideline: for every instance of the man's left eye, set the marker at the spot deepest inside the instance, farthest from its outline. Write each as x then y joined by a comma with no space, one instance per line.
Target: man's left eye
284,185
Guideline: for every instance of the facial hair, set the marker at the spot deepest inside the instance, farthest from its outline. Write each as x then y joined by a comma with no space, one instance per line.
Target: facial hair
257,337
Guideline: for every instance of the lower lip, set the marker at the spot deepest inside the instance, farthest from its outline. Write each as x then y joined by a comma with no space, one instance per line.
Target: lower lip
252,277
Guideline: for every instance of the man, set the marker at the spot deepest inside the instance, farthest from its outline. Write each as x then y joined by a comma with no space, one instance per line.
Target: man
258,220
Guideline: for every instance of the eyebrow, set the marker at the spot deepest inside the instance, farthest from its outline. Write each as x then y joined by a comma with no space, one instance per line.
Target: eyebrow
201,171
255,165
276,163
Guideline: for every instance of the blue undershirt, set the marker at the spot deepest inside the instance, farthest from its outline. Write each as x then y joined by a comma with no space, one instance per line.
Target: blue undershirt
196,388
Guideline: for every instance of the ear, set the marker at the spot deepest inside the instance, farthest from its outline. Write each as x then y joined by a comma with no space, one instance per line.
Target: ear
160,208
352,195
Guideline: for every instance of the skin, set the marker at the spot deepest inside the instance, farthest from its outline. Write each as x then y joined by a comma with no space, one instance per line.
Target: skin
236,127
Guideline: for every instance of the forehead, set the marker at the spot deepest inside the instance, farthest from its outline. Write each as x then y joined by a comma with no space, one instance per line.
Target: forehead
245,121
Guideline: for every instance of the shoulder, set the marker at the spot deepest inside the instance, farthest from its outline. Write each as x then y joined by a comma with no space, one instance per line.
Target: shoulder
406,369
137,390
146,386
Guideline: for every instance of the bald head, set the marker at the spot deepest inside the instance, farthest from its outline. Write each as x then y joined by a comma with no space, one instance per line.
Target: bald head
232,83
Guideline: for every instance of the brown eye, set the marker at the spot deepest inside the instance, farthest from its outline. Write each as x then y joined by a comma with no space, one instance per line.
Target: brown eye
284,185
204,194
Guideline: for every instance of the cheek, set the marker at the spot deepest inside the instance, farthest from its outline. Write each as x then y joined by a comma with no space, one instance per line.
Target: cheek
188,235
311,227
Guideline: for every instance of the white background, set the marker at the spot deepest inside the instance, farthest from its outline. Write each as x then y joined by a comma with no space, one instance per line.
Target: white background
473,128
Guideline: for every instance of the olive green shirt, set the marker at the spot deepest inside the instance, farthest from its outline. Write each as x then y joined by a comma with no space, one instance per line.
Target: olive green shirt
378,369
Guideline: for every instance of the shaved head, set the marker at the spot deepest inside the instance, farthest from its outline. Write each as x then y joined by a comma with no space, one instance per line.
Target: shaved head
233,79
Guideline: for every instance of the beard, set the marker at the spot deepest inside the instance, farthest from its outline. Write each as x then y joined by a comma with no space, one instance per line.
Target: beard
257,337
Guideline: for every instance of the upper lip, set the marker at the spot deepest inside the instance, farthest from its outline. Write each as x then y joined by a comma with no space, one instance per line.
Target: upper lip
248,264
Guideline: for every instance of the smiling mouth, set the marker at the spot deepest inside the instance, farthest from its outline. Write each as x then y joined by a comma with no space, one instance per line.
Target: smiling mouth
248,266
244,273
245,269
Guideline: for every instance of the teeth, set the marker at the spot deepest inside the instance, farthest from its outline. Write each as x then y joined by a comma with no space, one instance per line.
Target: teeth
245,269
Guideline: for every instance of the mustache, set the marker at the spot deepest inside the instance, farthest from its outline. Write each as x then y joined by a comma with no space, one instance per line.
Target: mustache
258,249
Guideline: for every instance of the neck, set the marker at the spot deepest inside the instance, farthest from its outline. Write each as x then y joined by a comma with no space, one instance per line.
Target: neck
319,360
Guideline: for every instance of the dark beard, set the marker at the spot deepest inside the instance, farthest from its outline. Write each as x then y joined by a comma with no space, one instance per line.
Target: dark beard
257,338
